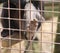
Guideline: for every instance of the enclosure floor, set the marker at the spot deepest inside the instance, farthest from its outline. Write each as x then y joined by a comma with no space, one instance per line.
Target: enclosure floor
48,35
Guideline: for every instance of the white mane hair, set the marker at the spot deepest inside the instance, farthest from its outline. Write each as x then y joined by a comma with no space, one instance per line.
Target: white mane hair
31,13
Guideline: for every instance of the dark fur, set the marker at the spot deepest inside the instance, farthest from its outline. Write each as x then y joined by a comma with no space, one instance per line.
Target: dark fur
14,24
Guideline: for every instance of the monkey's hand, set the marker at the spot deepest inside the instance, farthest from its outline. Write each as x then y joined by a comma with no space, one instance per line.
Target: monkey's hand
31,29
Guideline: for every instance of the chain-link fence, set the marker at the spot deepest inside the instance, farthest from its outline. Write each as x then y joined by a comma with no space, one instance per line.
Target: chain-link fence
30,26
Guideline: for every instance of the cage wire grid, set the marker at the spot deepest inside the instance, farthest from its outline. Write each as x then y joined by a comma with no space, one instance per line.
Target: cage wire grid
47,33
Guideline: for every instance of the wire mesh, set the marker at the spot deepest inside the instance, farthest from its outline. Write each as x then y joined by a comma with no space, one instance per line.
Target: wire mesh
48,34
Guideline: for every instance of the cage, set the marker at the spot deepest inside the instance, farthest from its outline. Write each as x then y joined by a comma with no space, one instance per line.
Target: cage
23,36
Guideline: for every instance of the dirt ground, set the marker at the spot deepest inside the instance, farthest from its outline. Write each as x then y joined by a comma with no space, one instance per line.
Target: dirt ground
48,34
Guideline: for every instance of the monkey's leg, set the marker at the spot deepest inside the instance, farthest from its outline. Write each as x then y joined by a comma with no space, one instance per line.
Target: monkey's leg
4,20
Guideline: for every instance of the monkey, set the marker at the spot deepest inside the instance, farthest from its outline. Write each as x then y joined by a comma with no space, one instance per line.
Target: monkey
12,14
31,16
8,21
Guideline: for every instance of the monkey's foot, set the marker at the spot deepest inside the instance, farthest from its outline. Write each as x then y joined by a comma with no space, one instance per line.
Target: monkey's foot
5,33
